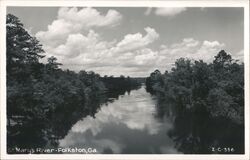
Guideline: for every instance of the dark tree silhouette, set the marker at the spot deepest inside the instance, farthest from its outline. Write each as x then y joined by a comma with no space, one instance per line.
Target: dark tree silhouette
44,101
203,95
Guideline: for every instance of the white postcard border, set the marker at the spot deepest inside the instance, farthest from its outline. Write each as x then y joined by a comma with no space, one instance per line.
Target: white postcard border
55,3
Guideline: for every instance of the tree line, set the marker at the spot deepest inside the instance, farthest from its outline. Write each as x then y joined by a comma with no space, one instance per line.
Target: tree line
44,101
207,100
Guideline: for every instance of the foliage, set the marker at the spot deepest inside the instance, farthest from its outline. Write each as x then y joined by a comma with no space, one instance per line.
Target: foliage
44,101
120,84
202,93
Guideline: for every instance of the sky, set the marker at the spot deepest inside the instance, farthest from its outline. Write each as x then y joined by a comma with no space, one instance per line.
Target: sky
133,41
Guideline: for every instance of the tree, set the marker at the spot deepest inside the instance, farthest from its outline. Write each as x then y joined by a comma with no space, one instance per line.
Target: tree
205,98
44,101
154,82
222,57
52,64
22,48
222,60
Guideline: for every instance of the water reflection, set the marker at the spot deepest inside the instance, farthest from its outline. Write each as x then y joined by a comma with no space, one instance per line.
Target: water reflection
195,132
126,125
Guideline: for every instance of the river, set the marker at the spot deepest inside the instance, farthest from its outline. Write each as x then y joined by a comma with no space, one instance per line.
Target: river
126,125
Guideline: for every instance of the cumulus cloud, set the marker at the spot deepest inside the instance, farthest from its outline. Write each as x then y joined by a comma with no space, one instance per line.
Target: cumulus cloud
90,52
239,56
89,17
169,11
80,50
193,49
136,41
73,20
73,39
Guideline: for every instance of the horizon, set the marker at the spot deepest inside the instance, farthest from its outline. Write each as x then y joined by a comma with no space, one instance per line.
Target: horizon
133,41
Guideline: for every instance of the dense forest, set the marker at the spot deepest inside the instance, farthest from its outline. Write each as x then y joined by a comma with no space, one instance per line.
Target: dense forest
43,101
204,100
208,102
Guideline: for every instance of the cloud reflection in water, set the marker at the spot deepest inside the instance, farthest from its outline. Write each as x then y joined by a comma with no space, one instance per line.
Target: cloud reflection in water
127,125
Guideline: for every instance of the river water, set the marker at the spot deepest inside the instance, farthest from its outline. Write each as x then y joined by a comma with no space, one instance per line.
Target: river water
126,125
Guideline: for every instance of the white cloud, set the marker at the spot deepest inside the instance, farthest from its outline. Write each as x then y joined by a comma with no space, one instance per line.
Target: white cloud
136,41
193,49
89,17
57,32
169,11
75,43
72,20
208,50
79,50
239,56
90,52
73,40
146,57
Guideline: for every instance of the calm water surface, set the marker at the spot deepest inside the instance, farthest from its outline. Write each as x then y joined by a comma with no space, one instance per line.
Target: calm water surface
127,125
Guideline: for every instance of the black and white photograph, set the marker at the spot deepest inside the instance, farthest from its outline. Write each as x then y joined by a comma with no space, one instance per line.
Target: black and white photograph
125,80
